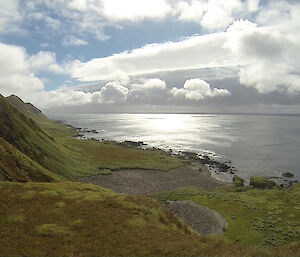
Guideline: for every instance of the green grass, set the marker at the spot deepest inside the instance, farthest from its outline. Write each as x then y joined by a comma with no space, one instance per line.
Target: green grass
50,147
14,165
98,222
51,230
256,217
262,182
92,157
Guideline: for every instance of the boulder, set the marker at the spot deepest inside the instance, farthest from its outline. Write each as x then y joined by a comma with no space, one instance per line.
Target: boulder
287,174
262,182
237,181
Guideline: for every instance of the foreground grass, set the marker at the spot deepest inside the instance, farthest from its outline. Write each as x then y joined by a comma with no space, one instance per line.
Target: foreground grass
256,217
77,219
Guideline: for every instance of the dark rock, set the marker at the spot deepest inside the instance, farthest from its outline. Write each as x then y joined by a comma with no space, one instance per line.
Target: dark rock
133,143
287,174
191,155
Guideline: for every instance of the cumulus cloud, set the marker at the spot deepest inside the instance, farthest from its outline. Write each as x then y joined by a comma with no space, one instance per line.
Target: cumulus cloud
45,61
18,71
16,76
113,92
150,92
214,14
197,89
269,55
155,84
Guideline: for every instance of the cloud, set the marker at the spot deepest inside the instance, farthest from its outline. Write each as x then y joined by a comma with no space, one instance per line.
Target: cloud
16,76
10,17
275,12
155,84
134,10
214,14
269,55
197,89
85,18
73,41
150,92
18,72
45,61
113,92
194,52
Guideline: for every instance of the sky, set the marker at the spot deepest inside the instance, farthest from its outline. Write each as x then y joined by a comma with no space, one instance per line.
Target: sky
194,56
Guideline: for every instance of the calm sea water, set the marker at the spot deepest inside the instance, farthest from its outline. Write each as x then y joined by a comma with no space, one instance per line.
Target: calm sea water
256,144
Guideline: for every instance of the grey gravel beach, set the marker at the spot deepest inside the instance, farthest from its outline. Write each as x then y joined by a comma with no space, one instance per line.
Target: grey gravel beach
148,182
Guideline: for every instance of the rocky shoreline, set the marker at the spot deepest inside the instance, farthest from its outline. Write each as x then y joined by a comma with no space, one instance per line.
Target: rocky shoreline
220,170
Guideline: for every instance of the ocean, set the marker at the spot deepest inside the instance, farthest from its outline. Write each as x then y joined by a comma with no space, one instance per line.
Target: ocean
257,145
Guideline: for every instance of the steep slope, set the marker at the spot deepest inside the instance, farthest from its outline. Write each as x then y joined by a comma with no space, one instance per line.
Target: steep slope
22,132
26,135
15,166
27,109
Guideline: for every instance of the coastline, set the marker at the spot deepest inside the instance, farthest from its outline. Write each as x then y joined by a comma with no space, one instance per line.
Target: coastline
219,169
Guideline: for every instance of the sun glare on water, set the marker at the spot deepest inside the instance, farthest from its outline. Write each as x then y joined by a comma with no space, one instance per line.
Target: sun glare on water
167,123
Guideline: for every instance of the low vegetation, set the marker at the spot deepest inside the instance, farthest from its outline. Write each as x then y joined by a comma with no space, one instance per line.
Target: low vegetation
77,219
16,166
237,181
255,217
262,182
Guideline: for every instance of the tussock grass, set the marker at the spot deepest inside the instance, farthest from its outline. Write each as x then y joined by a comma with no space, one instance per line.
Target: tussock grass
13,219
51,230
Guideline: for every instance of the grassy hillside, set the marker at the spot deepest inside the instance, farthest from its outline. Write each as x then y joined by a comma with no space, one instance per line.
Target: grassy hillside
15,166
76,219
26,135
256,217
51,145
27,109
